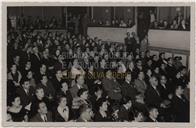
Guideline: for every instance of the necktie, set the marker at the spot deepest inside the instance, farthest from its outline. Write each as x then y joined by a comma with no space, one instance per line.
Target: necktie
157,92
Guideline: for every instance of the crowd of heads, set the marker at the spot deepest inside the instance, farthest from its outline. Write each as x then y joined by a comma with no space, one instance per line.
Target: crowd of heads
178,23
112,23
29,22
60,76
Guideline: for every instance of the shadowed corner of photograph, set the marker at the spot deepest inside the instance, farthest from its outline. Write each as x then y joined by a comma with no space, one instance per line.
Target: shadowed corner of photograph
98,64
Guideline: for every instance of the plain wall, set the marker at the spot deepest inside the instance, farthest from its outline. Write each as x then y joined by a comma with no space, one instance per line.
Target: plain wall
170,39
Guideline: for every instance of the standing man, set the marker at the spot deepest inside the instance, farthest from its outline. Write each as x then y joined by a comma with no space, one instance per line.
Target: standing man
84,22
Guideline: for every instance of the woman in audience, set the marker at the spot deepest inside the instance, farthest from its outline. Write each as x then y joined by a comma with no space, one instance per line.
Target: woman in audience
102,113
62,112
14,75
16,110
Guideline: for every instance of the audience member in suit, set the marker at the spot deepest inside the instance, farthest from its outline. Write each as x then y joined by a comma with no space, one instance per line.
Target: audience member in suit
148,74
163,70
86,114
156,72
98,94
42,71
57,80
39,96
152,95
66,92
179,79
140,84
153,115
164,89
128,89
26,69
79,80
42,115
154,61
138,66
112,87
62,112
171,71
161,58
25,91
49,90
125,113
180,105
102,115
131,68
166,93
90,79
139,104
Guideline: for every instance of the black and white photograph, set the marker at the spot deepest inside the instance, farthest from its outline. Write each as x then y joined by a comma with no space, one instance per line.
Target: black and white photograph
89,63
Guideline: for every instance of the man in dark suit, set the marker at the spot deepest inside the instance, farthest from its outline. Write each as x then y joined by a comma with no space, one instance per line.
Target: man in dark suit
57,80
153,115
43,115
164,89
180,106
125,113
128,43
112,87
90,78
35,60
25,91
128,89
152,95
47,86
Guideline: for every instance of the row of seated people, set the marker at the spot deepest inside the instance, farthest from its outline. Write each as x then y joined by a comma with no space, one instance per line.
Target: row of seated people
113,23
179,22
63,77
164,24
25,22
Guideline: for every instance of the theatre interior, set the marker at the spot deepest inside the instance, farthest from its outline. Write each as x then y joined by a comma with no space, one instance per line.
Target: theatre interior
56,55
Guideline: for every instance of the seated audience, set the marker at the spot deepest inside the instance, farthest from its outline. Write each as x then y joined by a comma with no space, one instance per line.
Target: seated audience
61,76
